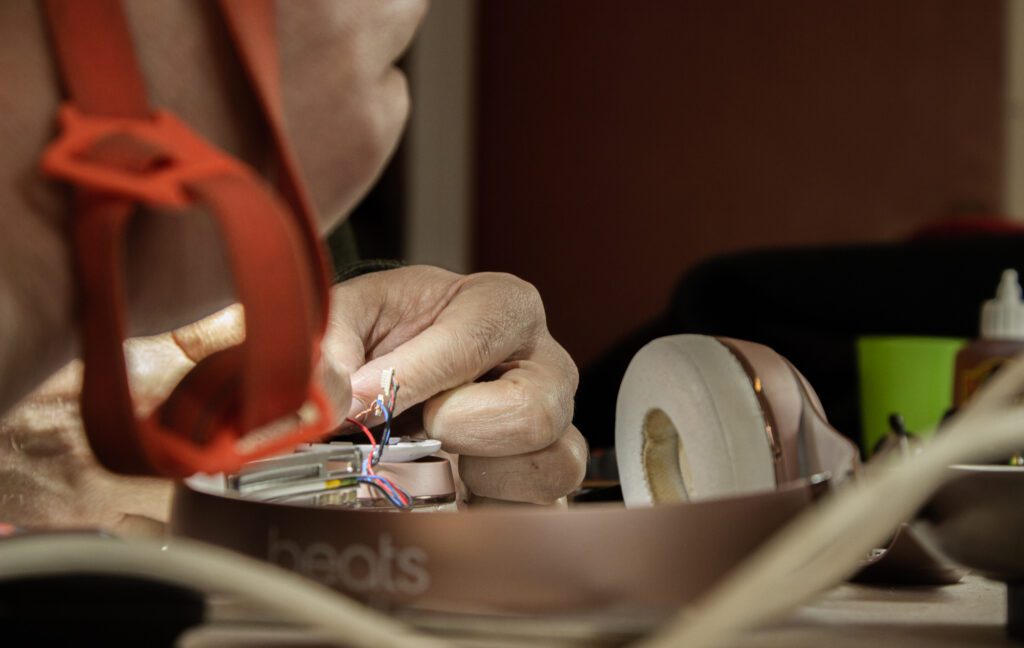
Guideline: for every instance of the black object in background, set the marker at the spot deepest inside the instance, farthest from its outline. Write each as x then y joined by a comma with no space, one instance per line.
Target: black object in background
96,610
810,305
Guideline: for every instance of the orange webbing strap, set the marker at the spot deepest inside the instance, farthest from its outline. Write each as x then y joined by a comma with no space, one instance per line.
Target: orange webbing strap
119,155
253,27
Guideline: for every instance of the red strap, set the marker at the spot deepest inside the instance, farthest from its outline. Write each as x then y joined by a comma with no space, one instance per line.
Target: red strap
119,155
253,27
95,52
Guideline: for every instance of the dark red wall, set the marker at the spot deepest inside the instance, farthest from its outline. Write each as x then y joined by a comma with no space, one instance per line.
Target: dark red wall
621,142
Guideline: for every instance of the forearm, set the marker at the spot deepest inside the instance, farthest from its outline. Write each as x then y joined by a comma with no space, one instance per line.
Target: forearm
48,476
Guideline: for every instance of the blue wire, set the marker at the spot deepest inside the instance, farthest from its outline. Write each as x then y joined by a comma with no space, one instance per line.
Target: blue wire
388,494
390,486
386,436
404,492
390,489
394,487
383,486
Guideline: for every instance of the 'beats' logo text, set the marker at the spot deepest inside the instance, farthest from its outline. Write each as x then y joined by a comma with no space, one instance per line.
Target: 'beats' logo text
356,567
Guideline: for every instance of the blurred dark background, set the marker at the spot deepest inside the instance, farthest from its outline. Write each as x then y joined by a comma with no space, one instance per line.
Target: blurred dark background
604,149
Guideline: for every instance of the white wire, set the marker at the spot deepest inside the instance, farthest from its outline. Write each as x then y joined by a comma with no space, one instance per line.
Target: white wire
816,551
829,542
207,568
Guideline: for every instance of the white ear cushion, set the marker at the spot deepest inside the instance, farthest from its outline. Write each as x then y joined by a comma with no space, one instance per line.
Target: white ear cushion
693,387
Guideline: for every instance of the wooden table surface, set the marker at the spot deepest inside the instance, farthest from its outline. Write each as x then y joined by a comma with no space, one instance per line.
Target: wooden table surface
970,613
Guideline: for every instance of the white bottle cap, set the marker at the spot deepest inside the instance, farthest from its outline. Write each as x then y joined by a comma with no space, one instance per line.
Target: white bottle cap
1002,318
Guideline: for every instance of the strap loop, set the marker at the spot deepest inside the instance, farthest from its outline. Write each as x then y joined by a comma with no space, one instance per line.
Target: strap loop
119,154
93,153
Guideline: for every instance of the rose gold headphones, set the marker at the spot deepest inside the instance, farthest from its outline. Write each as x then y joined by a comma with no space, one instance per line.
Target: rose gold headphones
593,556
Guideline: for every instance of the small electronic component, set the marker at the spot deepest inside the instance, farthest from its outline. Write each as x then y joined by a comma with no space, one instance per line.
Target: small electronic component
384,405
327,476
398,449
337,474
389,392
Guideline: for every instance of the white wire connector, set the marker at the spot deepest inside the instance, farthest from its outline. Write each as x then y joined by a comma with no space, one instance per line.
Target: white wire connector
387,386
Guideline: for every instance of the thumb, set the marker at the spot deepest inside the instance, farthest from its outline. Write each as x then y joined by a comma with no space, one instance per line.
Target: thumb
223,329
342,353
226,328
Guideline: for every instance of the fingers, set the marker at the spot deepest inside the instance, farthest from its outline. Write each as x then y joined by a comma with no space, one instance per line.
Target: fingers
155,365
526,409
487,320
539,477
343,351
223,329
475,351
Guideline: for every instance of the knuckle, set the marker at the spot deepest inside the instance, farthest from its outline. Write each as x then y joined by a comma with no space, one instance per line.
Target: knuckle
570,466
529,297
515,311
535,423
516,291
574,376
538,478
532,420
479,344
572,372
482,477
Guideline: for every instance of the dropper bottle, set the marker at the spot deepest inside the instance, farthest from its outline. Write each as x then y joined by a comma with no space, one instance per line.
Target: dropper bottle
1001,338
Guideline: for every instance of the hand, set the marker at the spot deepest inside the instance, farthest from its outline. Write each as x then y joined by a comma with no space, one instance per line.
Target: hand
441,331
475,350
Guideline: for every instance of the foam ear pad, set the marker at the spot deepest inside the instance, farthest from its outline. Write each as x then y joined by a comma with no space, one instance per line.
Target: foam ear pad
689,425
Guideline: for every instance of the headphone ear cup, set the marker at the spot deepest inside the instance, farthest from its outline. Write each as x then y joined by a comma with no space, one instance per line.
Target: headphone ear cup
781,399
833,452
807,444
689,425
812,395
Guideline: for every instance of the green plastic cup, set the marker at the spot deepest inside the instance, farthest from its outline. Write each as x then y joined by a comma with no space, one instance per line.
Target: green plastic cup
911,376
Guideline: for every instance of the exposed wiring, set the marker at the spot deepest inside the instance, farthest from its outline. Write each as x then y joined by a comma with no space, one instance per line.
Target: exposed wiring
817,551
207,568
383,406
367,467
395,494
386,435
389,393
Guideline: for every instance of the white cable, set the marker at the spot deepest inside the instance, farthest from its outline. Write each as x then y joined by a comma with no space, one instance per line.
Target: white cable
829,542
813,553
207,568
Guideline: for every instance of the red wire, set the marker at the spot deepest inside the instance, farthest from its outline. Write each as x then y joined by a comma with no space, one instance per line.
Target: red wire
373,452
373,442
395,489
